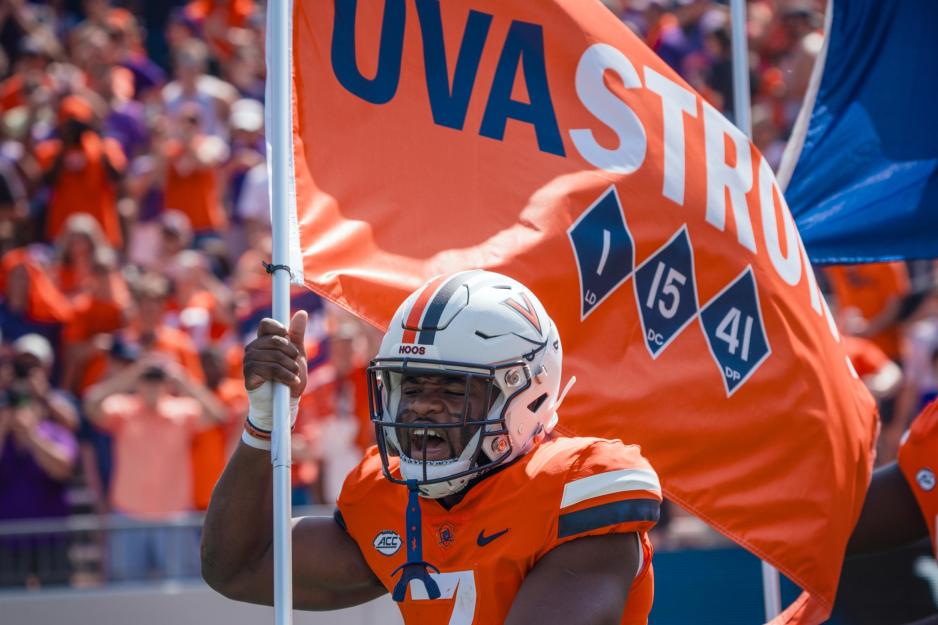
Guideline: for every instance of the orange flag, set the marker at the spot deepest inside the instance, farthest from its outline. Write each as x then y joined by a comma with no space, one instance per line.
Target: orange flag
543,140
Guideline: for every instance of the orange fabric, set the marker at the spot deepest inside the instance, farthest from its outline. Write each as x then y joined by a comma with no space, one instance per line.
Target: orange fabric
666,23
152,466
178,344
77,108
46,303
531,488
11,93
86,188
210,446
918,460
866,357
502,176
868,288
68,280
236,14
234,358
237,10
92,317
92,372
195,193
207,301
306,429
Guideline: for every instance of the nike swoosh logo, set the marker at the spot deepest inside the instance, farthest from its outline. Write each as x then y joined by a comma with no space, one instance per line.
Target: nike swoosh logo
483,540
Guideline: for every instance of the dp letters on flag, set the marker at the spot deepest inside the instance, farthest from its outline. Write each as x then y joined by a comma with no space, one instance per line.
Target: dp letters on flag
545,141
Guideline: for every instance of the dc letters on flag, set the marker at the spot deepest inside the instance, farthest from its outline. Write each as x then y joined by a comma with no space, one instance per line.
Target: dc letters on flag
545,141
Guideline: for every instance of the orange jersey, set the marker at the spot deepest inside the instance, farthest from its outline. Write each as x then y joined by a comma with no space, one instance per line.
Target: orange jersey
918,460
869,288
485,545
866,356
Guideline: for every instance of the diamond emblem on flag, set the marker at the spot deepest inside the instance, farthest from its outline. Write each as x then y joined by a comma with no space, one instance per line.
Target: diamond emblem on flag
666,292
604,250
732,323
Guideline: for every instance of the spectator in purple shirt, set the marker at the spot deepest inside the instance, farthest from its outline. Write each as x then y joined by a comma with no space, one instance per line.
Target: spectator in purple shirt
37,457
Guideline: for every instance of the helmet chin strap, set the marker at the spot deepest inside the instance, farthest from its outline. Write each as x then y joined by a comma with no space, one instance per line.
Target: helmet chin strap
563,393
552,423
415,568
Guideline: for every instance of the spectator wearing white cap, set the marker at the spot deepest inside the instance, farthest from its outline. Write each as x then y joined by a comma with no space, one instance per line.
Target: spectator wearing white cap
32,368
37,457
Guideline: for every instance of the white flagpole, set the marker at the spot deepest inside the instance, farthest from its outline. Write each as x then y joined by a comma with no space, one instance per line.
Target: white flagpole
742,109
279,133
741,106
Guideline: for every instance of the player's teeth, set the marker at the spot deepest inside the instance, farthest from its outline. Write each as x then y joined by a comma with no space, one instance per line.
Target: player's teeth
428,433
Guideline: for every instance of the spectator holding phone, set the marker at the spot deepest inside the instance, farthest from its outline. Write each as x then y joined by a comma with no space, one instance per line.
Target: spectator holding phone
37,456
82,169
153,409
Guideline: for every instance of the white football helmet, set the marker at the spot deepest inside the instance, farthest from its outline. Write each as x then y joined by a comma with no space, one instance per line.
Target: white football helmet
476,325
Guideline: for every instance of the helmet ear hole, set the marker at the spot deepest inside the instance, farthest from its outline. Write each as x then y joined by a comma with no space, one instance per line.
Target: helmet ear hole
537,403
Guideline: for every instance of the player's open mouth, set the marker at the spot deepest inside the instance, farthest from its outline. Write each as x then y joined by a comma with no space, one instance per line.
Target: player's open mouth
432,441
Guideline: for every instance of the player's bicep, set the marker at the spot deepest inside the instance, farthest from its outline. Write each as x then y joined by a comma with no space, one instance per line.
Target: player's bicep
890,516
584,581
329,571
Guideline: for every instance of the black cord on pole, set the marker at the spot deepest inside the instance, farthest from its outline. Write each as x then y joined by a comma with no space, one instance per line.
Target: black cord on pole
272,268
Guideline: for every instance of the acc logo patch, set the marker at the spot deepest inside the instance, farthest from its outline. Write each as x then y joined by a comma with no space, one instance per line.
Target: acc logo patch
925,479
388,542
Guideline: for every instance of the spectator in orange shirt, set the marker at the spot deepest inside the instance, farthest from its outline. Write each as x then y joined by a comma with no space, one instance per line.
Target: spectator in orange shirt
82,169
149,331
218,20
192,165
881,376
869,298
101,308
202,305
884,379
31,302
212,446
153,409
29,72
75,249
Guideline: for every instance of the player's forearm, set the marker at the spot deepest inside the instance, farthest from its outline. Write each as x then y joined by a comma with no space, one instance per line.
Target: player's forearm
238,528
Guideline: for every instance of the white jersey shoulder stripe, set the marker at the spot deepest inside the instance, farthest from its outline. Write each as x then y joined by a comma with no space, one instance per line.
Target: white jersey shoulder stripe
607,483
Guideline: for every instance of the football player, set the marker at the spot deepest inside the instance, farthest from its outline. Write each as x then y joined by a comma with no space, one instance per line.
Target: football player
902,502
470,508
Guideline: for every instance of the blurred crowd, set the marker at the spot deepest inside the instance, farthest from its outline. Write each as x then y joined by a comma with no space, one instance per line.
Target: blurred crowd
134,222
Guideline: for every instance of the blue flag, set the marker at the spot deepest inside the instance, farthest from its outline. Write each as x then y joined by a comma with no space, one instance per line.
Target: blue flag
862,163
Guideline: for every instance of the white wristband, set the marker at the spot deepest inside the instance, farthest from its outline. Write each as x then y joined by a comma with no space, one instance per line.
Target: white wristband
260,421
